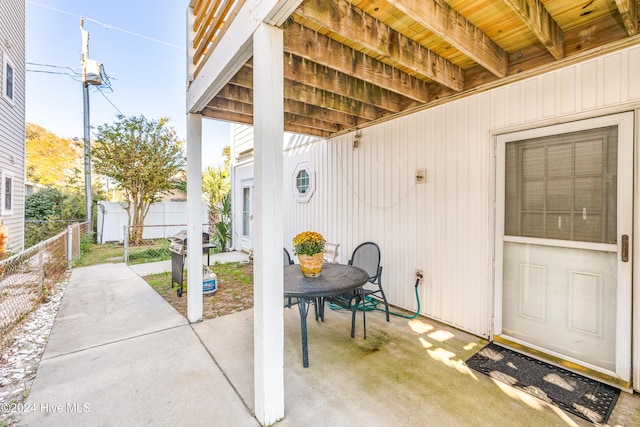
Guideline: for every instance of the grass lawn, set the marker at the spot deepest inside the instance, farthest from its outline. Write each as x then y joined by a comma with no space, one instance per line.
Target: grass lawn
93,254
150,251
235,290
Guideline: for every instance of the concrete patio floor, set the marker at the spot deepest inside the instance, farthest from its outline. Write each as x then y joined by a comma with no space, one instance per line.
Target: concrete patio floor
120,351
407,372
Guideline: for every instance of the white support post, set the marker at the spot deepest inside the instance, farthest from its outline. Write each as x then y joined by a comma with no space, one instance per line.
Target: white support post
194,217
268,224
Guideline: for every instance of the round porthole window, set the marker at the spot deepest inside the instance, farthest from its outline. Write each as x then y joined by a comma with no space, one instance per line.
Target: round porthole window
304,182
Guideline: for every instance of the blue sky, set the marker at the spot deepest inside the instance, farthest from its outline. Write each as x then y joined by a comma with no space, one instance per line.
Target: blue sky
141,44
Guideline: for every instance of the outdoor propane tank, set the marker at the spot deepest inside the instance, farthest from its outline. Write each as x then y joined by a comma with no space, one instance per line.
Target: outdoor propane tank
209,280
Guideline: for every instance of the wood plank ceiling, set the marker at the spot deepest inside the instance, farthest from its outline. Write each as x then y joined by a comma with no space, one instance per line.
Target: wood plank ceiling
352,62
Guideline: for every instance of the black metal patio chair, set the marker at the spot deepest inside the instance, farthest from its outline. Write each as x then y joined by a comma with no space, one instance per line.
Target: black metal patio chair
287,257
287,261
367,257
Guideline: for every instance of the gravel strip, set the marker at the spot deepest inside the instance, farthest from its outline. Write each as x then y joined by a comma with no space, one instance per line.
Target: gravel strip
19,361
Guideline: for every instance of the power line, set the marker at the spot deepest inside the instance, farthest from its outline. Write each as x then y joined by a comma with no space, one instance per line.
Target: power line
107,26
109,101
73,76
73,73
49,65
105,77
147,87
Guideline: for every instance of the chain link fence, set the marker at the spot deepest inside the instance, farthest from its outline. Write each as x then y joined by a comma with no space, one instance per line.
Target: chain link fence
27,276
155,242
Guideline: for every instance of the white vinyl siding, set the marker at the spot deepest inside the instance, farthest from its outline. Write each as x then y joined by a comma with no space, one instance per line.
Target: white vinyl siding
444,226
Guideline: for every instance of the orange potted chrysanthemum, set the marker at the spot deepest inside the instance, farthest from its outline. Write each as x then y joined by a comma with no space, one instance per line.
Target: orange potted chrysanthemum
309,246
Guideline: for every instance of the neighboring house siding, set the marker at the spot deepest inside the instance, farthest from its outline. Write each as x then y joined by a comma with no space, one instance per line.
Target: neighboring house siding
12,117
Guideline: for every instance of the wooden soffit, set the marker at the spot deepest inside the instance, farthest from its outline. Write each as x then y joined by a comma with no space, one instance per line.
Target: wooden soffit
348,63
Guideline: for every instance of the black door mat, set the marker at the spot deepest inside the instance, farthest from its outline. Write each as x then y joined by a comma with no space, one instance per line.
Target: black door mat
584,397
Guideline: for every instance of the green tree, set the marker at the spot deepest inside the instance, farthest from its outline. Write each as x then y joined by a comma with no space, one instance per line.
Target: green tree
43,204
141,156
47,212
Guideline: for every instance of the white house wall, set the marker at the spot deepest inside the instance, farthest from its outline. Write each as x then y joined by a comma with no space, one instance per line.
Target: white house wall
444,226
12,116
242,136
439,227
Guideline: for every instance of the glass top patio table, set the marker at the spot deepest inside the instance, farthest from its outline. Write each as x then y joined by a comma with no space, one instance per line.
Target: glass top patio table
335,279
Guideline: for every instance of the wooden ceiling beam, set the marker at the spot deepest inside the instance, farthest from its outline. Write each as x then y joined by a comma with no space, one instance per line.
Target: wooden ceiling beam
536,16
310,95
316,75
363,30
629,13
324,114
243,78
302,130
536,57
444,21
331,101
225,104
243,95
305,43
236,93
227,116
311,123
292,122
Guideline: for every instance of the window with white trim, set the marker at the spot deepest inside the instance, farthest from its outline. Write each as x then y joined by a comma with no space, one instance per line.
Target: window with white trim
7,193
304,182
8,78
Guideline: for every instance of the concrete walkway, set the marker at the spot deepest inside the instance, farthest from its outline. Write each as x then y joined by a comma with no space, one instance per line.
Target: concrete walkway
119,354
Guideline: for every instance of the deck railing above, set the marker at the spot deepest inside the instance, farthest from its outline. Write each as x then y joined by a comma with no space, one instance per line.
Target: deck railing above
211,18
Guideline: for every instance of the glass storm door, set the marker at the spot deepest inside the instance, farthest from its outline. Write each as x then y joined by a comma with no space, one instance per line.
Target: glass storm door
563,243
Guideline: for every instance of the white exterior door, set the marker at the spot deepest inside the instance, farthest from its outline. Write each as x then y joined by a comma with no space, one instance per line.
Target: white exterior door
247,215
564,204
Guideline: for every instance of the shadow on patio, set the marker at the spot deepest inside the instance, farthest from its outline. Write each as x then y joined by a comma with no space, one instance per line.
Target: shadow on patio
407,372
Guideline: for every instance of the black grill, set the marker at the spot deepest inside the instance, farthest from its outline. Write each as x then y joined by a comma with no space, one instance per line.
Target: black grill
178,248
179,242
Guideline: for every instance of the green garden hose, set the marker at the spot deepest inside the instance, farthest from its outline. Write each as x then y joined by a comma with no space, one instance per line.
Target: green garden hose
370,304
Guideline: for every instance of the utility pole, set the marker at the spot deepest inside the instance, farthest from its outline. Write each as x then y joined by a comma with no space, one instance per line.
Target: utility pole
84,57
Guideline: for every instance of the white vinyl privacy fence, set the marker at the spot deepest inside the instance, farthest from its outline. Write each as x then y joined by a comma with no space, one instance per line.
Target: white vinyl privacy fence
160,221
